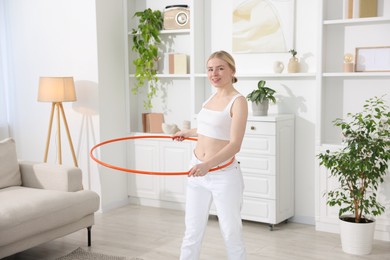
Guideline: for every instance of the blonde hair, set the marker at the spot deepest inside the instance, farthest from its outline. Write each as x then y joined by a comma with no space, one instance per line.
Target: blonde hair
225,56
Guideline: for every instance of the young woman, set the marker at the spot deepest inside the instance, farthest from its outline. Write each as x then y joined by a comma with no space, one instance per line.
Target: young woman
221,127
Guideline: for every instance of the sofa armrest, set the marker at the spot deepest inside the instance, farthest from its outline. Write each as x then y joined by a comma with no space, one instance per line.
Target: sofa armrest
50,176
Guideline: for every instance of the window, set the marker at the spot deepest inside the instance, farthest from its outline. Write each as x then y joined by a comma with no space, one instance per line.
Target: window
3,76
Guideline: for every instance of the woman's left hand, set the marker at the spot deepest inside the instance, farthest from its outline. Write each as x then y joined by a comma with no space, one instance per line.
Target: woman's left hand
199,170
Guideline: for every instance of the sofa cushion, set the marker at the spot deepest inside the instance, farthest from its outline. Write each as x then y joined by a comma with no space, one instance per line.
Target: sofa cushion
9,166
25,212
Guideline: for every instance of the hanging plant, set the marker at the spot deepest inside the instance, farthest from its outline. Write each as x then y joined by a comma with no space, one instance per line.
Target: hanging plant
146,38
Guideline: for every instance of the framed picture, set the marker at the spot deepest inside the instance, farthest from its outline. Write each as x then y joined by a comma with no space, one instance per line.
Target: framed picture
372,59
263,26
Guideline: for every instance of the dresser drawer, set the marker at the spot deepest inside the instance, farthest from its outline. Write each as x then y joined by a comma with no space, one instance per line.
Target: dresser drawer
258,145
259,210
255,165
261,186
260,128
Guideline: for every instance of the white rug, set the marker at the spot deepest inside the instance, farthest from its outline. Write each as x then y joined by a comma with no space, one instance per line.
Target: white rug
81,254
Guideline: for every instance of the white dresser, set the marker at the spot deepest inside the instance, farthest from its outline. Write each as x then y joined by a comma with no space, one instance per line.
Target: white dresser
267,162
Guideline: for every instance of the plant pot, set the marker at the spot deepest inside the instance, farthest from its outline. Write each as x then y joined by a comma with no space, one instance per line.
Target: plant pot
293,65
356,238
260,109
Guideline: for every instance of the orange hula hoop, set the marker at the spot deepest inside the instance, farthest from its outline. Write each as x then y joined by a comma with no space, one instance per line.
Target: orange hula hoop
146,172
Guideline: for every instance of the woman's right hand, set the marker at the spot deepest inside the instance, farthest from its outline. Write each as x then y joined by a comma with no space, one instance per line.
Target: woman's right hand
182,134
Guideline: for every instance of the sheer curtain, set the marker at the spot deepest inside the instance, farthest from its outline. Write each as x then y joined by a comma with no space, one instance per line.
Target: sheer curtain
4,129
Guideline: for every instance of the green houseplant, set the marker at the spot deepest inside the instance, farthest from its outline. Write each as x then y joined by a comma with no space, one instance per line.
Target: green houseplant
361,164
260,98
146,38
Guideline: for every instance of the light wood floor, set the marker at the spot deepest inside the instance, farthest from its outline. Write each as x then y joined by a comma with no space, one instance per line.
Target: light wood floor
155,234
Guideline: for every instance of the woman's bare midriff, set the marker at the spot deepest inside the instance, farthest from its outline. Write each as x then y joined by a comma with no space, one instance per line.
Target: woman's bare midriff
207,147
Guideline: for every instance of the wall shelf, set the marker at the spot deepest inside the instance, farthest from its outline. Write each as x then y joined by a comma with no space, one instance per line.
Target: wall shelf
357,21
180,31
356,74
177,76
267,75
277,75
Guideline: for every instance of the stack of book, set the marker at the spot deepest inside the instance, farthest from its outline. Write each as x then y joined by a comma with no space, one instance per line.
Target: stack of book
175,63
360,8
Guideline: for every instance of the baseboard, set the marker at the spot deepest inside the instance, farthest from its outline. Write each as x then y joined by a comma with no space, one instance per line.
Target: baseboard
114,205
157,203
303,220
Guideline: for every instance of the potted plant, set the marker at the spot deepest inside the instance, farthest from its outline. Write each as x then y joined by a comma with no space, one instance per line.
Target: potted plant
293,63
146,38
260,98
360,166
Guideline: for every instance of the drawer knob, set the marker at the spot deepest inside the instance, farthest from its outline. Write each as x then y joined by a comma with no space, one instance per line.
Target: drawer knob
253,128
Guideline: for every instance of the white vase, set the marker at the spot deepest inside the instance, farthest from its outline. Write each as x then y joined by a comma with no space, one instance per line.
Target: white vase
278,67
356,238
260,109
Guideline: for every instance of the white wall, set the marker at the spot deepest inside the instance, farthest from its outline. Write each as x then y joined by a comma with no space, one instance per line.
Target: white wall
46,38
113,75
64,38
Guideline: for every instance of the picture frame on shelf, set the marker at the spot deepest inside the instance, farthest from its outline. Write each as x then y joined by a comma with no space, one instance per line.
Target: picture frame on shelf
372,59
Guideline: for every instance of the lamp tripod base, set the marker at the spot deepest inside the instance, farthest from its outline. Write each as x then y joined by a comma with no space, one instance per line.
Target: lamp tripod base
59,109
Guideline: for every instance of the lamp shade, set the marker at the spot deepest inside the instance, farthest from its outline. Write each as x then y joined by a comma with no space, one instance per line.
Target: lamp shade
56,89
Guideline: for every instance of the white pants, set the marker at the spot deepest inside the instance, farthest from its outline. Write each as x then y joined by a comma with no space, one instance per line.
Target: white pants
224,187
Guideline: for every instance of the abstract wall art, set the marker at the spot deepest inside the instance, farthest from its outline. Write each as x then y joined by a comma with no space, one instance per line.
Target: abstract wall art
261,26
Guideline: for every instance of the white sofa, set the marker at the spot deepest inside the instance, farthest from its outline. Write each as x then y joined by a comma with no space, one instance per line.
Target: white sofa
40,202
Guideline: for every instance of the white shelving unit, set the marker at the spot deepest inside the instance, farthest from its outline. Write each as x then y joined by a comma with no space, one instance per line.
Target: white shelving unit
187,89
340,36
181,95
335,89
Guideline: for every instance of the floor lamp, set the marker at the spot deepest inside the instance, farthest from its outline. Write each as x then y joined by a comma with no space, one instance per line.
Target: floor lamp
57,90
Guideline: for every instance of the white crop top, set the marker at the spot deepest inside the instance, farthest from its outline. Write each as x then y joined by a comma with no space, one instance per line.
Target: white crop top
215,124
